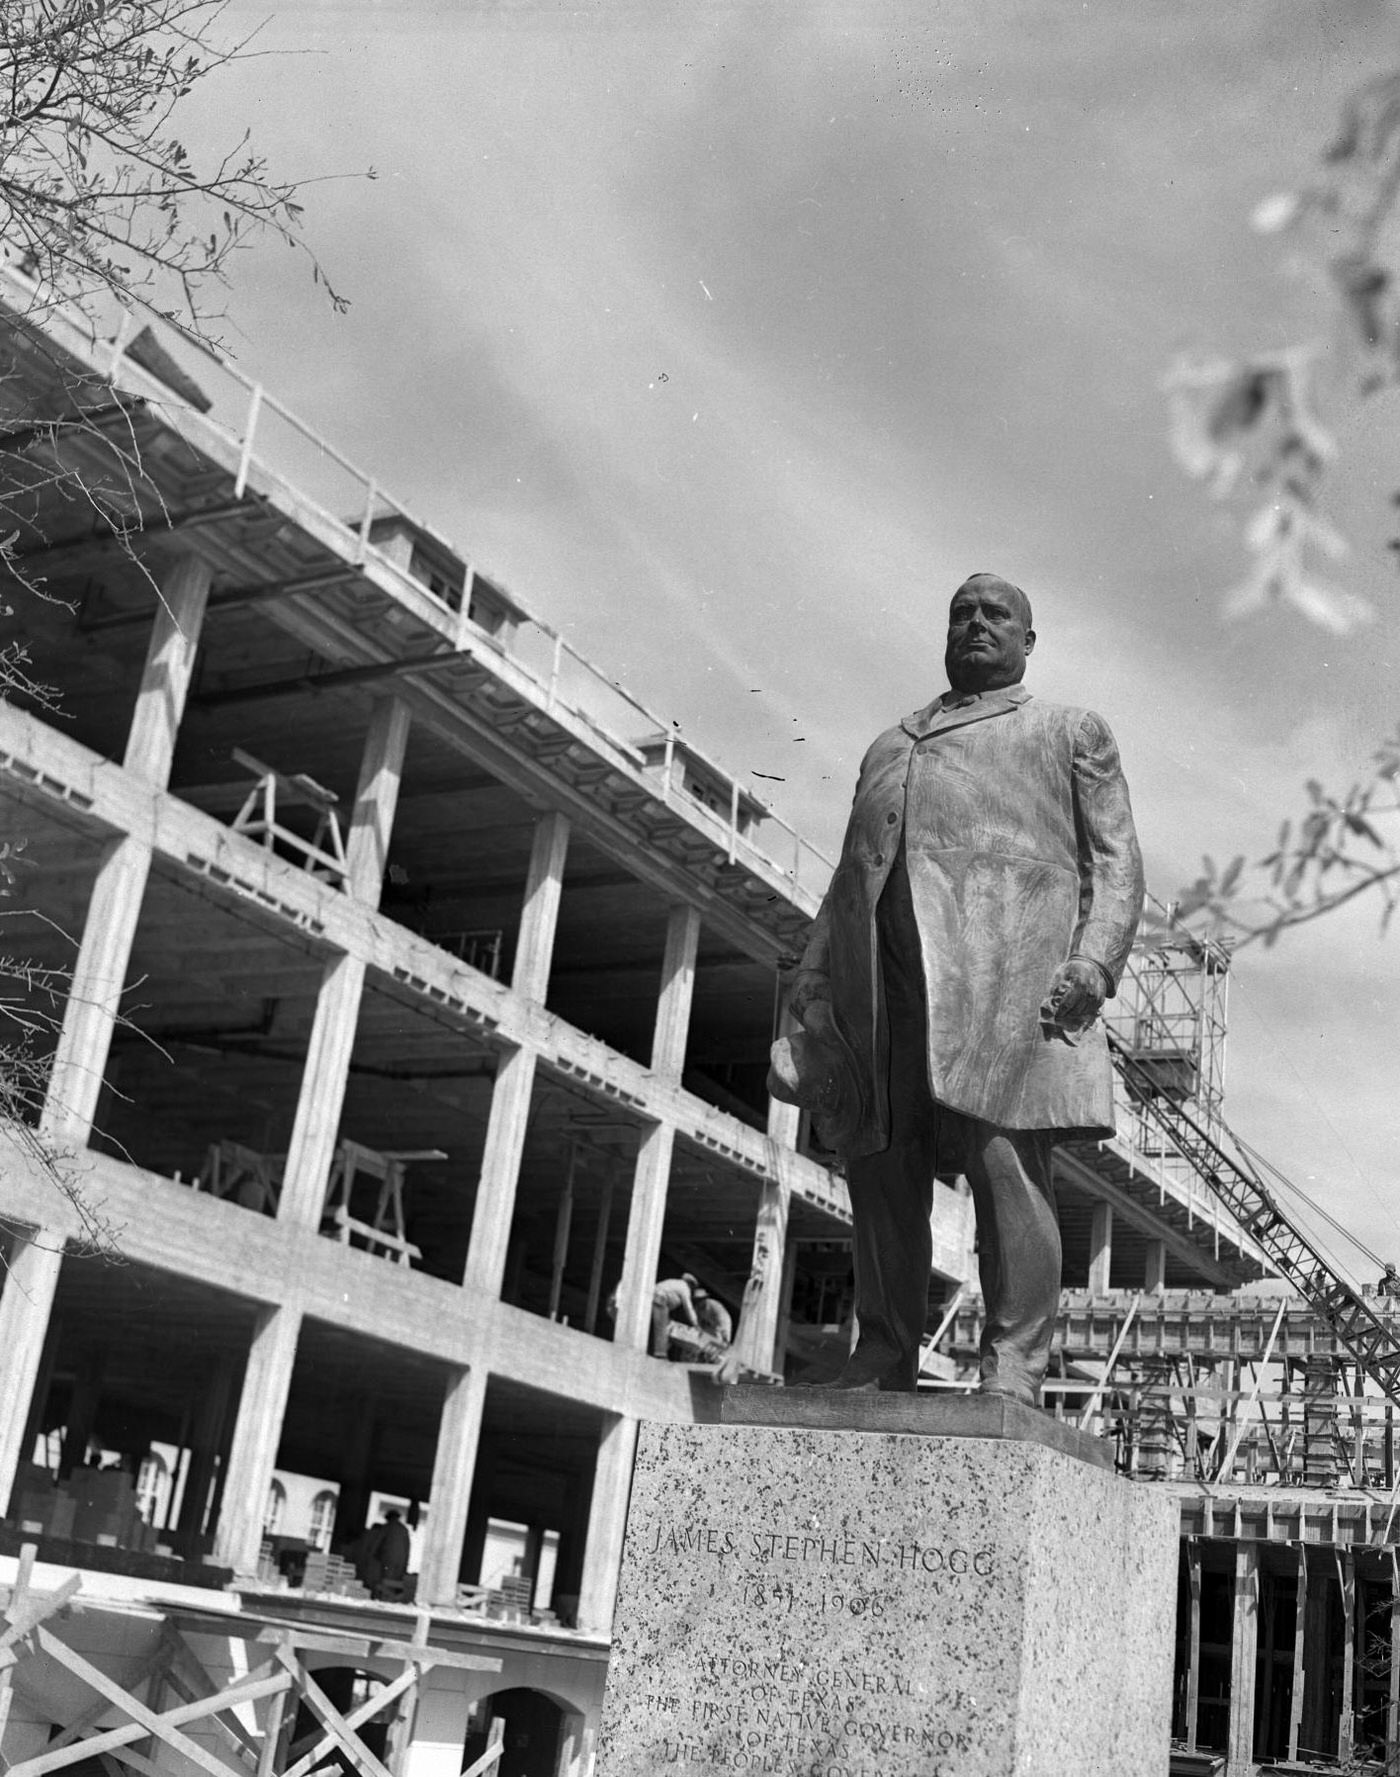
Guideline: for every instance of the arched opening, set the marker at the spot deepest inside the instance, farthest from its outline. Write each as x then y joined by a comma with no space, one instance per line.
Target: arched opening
276,1505
322,1519
153,1489
534,1732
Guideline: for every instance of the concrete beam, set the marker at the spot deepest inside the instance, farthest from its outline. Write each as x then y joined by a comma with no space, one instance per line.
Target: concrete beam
1199,1258
93,792
172,1228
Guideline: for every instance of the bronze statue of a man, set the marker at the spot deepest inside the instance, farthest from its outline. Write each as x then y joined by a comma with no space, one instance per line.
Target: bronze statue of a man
982,910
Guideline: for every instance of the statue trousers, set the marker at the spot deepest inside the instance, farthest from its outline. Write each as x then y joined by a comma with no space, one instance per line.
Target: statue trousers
1009,1171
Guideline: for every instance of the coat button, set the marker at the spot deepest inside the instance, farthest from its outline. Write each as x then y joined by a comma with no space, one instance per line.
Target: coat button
879,859
891,817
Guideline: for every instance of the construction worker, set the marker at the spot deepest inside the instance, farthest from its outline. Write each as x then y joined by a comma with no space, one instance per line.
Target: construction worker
715,1320
672,1299
1390,1282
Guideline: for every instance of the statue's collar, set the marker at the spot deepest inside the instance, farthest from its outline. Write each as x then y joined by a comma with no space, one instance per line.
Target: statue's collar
953,708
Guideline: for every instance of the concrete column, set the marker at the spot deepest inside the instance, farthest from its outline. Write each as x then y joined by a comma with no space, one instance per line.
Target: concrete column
672,1028
165,680
26,1301
326,1074
82,1410
539,918
440,1724
376,799
256,1434
1155,1275
756,1341
322,1095
500,1170
515,1072
607,1520
1100,1249
454,1470
650,1182
1244,1647
94,995
652,1176
206,1438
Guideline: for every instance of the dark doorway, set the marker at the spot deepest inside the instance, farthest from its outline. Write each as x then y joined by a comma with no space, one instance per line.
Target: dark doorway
533,1734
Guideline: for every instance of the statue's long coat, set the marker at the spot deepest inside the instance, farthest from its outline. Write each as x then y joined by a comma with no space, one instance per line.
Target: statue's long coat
1020,848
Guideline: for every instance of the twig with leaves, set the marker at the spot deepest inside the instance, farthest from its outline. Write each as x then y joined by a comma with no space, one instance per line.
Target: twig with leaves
1261,421
96,188
1344,846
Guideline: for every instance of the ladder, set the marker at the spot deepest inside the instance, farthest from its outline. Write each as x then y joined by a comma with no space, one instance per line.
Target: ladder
1235,1180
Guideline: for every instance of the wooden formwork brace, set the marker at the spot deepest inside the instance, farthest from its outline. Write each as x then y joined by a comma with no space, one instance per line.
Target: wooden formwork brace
173,1675
142,1722
495,1746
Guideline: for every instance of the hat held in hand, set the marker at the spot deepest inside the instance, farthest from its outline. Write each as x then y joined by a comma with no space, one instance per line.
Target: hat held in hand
811,1068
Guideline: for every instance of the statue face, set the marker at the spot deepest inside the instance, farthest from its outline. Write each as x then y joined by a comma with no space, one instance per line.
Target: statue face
988,639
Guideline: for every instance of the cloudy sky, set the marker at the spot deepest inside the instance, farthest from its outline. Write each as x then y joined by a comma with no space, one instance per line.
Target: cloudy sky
731,337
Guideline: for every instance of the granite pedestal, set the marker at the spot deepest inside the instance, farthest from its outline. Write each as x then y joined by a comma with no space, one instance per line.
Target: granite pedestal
865,1585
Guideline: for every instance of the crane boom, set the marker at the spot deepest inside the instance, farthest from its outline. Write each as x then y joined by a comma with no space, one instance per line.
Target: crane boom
1235,1180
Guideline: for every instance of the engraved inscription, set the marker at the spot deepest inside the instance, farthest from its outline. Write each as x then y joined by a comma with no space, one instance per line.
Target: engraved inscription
798,1712
807,1547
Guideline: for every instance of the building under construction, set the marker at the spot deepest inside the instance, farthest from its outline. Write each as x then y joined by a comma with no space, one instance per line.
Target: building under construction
402,994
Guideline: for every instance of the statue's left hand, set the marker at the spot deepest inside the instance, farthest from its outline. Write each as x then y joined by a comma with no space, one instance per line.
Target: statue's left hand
1076,995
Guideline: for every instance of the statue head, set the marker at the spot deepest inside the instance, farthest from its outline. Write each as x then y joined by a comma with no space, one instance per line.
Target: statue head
989,634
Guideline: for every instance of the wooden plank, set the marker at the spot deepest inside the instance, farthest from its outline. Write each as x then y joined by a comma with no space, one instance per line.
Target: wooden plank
150,1667
1244,1647
336,1725
1227,1461
1193,1645
36,1608
370,1647
15,1609
364,1712
1346,1726
1295,1705
1392,1706
270,1749
495,1748
563,1225
186,1673
142,1721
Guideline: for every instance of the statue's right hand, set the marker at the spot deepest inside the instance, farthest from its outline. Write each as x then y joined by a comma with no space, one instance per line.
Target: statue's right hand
810,991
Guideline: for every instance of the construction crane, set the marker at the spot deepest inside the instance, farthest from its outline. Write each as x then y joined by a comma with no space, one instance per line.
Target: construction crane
1171,1065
